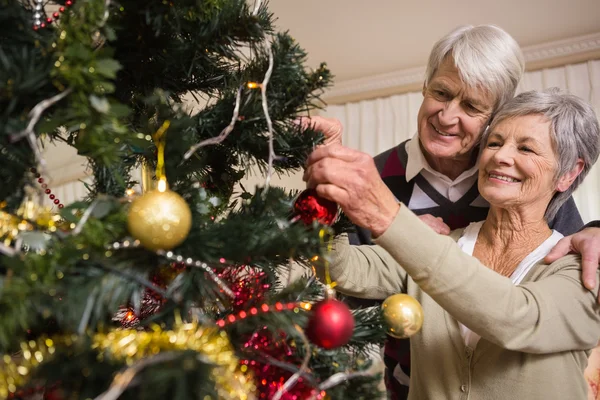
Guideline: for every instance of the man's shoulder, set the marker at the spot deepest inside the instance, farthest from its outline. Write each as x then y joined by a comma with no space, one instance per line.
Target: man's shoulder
382,158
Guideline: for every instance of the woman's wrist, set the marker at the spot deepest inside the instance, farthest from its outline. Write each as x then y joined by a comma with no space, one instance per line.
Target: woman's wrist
387,215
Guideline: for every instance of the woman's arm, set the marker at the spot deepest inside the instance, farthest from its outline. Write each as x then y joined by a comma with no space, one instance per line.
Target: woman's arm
367,272
555,313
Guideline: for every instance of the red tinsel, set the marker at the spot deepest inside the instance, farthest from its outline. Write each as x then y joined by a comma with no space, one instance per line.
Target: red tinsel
270,378
152,302
249,284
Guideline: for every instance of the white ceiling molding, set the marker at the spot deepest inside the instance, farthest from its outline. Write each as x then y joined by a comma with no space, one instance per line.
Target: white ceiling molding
414,76
562,48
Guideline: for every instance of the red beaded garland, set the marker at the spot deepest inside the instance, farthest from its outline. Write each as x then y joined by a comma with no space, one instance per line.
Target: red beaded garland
55,16
45,187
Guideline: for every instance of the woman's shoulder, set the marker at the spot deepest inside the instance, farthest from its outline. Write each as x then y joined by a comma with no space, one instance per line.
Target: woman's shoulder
471,230
569,265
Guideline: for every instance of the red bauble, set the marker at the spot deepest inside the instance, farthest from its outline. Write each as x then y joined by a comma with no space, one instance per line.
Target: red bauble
309,207
54,393
330,325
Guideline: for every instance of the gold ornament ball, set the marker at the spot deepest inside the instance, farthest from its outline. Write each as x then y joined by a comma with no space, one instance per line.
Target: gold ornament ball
403,315
159,220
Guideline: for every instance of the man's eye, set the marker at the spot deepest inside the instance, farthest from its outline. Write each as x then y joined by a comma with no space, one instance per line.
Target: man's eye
470,107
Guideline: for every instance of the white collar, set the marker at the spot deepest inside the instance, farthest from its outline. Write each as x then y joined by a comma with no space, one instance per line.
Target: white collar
417,162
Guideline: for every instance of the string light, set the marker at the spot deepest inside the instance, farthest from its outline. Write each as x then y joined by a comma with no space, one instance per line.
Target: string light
254,311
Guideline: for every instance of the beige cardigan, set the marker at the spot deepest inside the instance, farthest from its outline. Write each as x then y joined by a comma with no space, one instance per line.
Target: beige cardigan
535,337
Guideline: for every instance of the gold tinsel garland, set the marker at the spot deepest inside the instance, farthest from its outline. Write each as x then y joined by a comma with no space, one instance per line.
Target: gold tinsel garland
132,346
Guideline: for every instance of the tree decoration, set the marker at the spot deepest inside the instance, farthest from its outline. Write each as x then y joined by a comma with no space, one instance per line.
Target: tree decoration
152,301
310,207
47,190
270,378
39,21
105,77
403,315
160,219
131,346
330,324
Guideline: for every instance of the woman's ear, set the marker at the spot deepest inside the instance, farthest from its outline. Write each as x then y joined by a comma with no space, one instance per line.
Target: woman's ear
565,181
424,89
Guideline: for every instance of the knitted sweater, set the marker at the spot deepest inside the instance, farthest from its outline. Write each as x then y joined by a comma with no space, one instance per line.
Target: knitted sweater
535,337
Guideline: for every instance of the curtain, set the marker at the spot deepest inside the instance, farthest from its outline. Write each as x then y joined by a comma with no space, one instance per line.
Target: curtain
376,125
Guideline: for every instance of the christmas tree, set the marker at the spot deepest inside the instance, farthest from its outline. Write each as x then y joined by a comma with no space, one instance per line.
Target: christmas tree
173,293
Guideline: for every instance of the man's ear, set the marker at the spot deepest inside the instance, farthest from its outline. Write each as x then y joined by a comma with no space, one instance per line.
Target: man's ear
565,181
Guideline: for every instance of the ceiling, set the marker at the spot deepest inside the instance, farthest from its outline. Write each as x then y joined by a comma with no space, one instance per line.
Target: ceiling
361,38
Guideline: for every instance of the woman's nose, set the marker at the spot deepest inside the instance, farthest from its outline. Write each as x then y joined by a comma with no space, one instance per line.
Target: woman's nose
504,155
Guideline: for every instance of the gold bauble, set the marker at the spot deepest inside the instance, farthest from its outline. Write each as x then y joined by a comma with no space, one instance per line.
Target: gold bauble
403,315
160,220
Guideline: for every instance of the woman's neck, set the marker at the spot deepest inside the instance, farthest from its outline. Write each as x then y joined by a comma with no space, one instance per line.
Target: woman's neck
513,229
507,237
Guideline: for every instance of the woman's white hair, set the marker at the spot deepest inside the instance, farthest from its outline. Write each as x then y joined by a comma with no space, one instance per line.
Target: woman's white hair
486,57
574,131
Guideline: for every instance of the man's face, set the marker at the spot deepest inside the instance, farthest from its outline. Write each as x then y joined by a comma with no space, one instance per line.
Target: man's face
452,116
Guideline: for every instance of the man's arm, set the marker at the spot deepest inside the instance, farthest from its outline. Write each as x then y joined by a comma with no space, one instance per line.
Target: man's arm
579,239
567,220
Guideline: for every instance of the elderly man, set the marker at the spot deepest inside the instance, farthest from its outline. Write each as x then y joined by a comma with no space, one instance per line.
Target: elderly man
471,73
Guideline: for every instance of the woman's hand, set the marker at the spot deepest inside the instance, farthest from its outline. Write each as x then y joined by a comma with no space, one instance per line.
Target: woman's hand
587,243
350,178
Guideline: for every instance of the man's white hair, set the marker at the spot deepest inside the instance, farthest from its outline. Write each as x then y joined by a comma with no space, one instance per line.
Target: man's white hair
486,57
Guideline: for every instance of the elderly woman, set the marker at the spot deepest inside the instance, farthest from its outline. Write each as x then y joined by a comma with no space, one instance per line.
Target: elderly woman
499,322
472,71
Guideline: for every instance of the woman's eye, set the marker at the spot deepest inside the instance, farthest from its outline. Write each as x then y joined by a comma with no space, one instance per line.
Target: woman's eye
526,149
493,144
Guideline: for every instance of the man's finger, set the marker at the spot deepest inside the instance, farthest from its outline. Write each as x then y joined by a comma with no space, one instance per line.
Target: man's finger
331,128
589,265
329,170
333,193
562,248
333,151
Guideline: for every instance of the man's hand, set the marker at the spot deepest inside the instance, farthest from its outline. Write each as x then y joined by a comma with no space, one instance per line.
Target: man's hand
435,223
586,243
331,128
350,178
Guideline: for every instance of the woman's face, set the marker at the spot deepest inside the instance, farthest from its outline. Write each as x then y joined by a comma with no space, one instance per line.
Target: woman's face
517,164
452,116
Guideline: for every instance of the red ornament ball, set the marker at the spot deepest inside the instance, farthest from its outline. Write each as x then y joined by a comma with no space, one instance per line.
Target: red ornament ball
309,207
54,393
330,325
